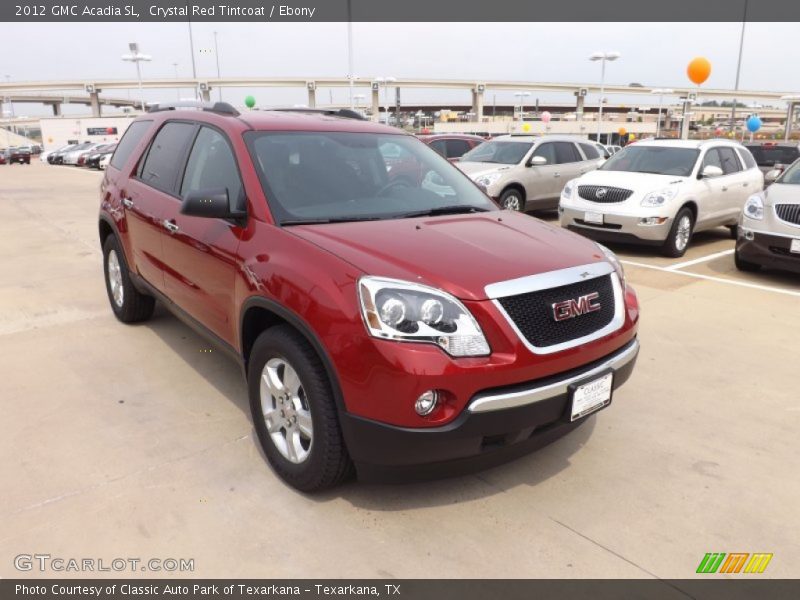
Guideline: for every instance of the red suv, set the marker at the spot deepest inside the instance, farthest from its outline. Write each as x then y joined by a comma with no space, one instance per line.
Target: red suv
401,327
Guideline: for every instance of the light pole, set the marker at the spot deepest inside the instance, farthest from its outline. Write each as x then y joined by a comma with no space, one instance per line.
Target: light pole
521,104
350,75
191,51
385,81
602,57
738,68
660,92
216,55
136,57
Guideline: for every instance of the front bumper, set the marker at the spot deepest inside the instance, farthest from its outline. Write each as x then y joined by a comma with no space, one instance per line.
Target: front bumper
616,227
498,425
767,249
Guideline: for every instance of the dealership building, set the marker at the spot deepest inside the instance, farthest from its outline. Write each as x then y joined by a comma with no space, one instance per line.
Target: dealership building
60,131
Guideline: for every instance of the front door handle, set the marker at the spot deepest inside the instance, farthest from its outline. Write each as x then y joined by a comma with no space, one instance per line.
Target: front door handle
127,203
745,184
170,226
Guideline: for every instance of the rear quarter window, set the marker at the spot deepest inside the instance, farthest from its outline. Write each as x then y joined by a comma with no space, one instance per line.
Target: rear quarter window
129,141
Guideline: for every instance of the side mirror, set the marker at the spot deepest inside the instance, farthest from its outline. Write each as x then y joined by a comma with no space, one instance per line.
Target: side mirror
711,171
771,175
538,161
211,204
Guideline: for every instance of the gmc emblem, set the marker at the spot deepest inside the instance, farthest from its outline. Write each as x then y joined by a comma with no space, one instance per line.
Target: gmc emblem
569,309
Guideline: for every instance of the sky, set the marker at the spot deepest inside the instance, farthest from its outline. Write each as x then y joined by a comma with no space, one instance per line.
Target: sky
652,54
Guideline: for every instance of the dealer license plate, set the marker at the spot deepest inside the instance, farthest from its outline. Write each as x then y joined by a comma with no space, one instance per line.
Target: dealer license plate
591,396
593,217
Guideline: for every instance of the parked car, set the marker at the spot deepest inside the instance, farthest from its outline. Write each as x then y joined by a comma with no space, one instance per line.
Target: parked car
105,159
774,156
603,150
72,156
660,192
612,149
92,159
452,145
769,227
21,155
523,172
397,328
3,160
57,157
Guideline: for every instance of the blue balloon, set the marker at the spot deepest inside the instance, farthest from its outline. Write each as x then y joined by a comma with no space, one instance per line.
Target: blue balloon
753,124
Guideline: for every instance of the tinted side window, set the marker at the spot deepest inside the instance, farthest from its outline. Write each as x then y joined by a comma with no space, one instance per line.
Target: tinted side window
712,158
457,148
439,147
212,165
749,161
566,152
129,141
548,151
163,161
730,164
590,151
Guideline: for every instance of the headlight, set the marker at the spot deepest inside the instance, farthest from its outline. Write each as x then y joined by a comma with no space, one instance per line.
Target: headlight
612,258
569,188
660,197
410,312
487,179
754,208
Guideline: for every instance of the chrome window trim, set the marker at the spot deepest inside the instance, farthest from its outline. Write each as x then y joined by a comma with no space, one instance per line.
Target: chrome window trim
489,402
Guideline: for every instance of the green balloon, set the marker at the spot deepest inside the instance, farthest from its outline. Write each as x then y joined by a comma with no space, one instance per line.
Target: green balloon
250,102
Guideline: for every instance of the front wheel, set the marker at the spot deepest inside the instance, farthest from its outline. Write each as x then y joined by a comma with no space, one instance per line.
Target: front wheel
128,304
294,411
512,199
679,234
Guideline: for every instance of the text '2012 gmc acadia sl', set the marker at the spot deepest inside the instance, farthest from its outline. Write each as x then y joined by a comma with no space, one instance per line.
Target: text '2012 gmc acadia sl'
392,320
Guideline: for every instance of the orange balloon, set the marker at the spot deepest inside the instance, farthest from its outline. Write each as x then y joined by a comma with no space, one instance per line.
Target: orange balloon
622,131
698,70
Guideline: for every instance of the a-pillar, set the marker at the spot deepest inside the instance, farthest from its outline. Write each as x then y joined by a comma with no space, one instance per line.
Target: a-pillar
94,100
312,94
376,102
477,102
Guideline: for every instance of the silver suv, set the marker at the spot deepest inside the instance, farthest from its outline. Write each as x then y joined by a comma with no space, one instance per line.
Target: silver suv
526,172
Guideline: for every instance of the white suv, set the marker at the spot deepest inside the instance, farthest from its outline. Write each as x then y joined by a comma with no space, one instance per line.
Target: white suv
660,192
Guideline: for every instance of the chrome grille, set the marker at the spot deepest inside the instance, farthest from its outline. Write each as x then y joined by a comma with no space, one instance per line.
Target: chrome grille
604,194
788,212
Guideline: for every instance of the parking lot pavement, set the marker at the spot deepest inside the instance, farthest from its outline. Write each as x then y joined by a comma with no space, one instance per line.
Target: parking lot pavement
136,441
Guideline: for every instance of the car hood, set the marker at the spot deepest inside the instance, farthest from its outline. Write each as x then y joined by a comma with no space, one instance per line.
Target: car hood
460,254
476,169
782,193
640,183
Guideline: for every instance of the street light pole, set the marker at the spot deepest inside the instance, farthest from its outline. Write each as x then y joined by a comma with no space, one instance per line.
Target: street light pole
350,75
602,57
191,50
738,67
660,93
137,57
216,55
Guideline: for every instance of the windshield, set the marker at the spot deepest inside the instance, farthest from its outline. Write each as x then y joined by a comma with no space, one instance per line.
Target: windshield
790,176
502,152
334,176
660,160
768,156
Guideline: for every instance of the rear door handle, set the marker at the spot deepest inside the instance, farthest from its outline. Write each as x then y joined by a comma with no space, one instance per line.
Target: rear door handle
127,203
170,226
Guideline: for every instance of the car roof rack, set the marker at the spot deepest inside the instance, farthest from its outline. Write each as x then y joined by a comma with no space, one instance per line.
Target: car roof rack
344,113
222,108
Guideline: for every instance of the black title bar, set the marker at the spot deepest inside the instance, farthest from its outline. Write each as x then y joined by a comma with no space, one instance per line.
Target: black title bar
96,11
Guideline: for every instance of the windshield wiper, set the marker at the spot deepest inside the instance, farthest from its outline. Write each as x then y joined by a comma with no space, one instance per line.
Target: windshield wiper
330,220
443,210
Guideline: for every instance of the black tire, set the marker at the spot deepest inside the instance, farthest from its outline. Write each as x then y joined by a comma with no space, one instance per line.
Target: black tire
134,306
734,229
327,462
744,265
673,246
512,199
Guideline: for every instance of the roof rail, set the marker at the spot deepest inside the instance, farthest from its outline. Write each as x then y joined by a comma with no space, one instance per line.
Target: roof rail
345,113
222,108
